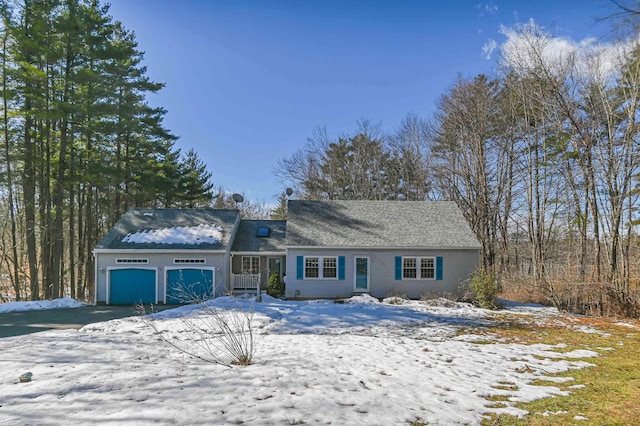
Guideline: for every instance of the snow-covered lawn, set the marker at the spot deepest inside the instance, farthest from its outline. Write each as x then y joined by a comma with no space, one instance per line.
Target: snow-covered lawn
64,302
361,362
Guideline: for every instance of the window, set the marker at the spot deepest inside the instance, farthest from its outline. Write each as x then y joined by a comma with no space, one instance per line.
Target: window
132,260
263,232
409,270
415,268
311,269
427,268
186,261
250,265
329,267
322,267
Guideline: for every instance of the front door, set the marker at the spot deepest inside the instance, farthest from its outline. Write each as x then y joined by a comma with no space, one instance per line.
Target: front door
362,274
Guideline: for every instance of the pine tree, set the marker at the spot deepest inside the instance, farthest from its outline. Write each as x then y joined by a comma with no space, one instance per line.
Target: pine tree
279,212
77,126
194,182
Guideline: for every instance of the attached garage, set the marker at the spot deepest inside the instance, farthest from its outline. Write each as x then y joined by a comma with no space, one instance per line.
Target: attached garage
151,254
186,285
127,286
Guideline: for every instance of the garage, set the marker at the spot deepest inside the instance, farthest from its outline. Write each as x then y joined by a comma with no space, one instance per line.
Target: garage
187,285
132,285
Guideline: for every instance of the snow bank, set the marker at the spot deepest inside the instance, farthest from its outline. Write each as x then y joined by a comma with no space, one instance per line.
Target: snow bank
65,302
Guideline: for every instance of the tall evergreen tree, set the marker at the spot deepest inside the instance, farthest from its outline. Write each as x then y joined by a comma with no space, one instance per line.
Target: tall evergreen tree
89,146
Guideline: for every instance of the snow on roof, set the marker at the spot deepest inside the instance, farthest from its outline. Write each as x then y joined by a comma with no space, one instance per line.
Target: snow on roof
201,234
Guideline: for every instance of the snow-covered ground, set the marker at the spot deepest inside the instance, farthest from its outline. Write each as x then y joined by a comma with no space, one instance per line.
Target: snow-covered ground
361,362
64,302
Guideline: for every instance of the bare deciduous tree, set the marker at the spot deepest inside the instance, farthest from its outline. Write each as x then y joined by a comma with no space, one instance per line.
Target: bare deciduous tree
473,160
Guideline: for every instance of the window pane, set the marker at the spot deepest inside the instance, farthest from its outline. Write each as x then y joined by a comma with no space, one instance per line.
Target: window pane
311,267
255,265
427,269
330,269
250,264
409,267
263,232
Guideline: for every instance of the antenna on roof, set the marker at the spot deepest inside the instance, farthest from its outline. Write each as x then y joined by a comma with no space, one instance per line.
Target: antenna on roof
238,198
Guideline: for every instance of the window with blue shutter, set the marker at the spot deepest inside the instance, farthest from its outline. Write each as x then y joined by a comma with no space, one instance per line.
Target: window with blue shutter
320,267
418,268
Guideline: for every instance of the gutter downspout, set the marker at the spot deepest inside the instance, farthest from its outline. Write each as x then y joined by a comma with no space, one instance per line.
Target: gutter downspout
95,279
231,273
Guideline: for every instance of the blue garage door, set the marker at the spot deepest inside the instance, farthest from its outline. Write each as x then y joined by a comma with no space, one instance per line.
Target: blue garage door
189,285
128,286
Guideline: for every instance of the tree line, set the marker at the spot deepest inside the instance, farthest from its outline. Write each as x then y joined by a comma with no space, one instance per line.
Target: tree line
542,158
80,143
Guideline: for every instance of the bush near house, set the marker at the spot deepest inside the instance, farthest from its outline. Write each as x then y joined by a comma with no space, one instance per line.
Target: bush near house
484,287
276,286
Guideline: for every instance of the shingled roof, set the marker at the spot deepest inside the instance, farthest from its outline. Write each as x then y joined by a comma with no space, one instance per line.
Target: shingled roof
247,239
203,229
378,224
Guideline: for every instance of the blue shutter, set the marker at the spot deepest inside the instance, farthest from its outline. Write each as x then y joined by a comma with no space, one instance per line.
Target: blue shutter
439,268
398,268
300,267
341,267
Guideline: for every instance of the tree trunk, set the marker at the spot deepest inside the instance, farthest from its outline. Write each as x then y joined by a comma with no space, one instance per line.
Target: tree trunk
15,270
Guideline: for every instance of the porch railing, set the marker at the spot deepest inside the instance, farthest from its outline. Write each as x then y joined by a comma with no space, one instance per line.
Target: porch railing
248,282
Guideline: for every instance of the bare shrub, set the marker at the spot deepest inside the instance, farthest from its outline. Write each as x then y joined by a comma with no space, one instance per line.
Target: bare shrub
625,304
395,300
396,296
521,289
223,336
598,299
435,295
586,298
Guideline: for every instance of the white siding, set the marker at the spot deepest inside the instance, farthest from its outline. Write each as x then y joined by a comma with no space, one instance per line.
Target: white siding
457,266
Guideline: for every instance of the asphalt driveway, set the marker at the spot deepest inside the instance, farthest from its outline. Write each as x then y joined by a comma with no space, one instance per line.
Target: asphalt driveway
26,322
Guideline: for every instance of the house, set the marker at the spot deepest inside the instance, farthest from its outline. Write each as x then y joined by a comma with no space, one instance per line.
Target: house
325,249
338,248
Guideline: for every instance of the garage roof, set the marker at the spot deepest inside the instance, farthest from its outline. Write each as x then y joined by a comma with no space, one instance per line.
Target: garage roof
202,229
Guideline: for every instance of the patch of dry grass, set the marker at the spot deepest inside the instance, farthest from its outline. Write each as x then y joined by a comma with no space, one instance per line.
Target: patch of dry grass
607,394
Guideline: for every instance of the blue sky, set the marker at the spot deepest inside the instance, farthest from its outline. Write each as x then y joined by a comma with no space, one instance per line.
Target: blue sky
247,82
